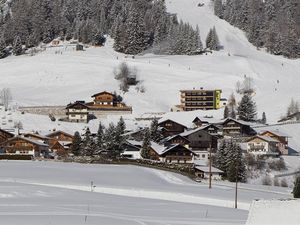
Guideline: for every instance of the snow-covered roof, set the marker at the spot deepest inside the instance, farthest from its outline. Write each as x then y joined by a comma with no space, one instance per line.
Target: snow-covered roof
186,118
188,132
159,149
64,143
35,142
276,132
205,169
265,138
135,143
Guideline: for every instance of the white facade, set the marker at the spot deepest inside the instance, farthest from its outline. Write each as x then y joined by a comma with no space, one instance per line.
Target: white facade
202,155
132,154
78,115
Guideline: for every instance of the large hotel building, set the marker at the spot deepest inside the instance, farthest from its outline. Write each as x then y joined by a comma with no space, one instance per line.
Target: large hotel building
200,99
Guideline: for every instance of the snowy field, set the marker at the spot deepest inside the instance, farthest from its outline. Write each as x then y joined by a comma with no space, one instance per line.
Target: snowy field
60,194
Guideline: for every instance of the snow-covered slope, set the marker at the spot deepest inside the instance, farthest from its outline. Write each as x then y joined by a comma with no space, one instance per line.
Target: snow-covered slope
57,193
57,79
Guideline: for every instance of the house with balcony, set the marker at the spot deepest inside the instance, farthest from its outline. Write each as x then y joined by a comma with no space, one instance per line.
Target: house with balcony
24,146
200,99
174,153
262,145
281,137
233,127
77,112
170,127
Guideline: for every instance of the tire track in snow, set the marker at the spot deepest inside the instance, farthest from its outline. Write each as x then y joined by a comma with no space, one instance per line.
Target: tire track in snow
148,194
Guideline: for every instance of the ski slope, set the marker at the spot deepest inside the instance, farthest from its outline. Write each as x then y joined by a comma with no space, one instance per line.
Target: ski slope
60,194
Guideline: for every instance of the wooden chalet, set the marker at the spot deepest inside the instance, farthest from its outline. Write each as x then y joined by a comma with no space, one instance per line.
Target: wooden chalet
263,145
204,172
282,138
132,149
106,101
176,139
37,137
59,136
137,135
232,127
211,129
200,139
198,122
24,146
4,135
171,154
77,112
170,128
60,148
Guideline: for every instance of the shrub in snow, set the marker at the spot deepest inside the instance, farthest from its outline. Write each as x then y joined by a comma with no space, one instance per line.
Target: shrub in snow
277,165
266,180
284,183
276,181
296,190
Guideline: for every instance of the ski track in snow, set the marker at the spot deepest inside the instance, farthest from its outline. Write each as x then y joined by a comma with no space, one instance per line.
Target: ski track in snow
142,193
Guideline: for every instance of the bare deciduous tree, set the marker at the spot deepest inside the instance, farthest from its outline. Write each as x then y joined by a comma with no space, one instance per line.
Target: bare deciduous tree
6,97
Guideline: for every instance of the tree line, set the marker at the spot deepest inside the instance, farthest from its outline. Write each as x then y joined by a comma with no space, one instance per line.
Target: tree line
136,25
270,24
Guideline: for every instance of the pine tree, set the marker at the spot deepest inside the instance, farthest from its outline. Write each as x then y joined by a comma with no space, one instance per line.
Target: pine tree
226,112
232,106
100,137
76,143
17,46
109,139
220,157
247,108
135,30
86,141
296,189
2,48
121,126
119,139
264,118
146,144
218,8
236,168
155,134
209,38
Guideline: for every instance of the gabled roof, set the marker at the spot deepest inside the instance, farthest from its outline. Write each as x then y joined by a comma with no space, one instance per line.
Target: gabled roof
205,169
71,105
172,137
189,132
264,138
103,92
209,125
135,143
161,149
6,132
275,133
239,122
26,139
42,137
165,120
58,132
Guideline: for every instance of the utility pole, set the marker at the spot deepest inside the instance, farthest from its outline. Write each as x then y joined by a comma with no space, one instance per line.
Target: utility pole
210,162
236,183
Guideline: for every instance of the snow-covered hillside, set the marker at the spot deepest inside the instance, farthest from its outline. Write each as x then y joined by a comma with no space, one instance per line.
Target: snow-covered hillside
57,79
